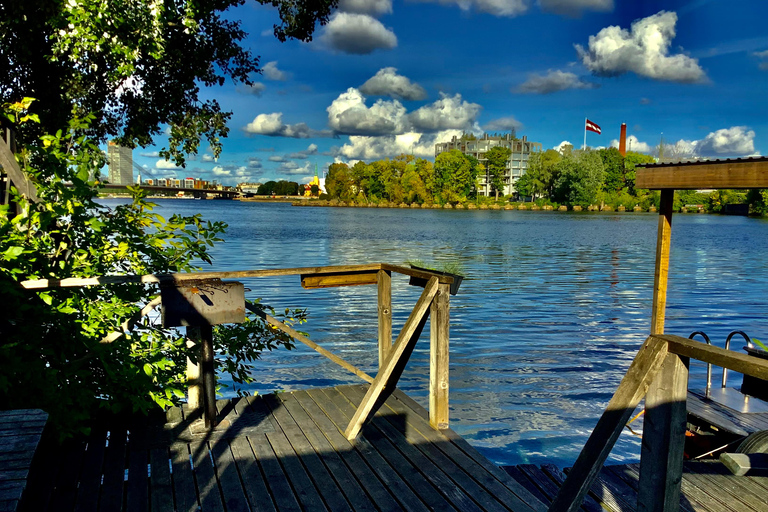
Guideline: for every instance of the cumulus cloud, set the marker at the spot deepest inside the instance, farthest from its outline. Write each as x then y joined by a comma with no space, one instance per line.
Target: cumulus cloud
575,7
348,114
254,163
304,154
633,144
271,72
293,168
561,147
165,164
764,59
229,171
277,158
357,33
508,8
555,80
386,82
449,112
207,157
150,154
369,7
272,125
375,148
503,124
644,50
733,141
255,88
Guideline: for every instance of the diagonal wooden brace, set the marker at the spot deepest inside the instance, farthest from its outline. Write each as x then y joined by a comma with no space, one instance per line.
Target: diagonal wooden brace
386,380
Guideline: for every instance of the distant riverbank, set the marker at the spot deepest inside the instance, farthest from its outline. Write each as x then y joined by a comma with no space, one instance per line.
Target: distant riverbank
483,206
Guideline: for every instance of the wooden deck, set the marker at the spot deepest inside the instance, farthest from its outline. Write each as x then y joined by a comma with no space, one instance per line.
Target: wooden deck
20,433
723,417
707,487
276,452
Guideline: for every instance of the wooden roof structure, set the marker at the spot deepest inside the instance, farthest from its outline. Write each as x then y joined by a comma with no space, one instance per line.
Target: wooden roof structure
704,174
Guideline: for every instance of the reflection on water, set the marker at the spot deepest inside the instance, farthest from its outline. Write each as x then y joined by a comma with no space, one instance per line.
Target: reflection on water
551,314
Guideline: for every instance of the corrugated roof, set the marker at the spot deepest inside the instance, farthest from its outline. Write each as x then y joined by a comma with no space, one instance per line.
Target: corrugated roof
691,163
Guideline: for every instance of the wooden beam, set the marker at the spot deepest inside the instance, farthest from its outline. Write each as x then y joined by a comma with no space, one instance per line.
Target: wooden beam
661,459
11,167
181,277
661,271
439,357
443,279
208,370
386,380
384,296
311,281
293,333
747,173
632,388
736,361
194,379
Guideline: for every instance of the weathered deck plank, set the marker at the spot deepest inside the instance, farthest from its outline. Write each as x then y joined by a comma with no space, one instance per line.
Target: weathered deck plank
288,452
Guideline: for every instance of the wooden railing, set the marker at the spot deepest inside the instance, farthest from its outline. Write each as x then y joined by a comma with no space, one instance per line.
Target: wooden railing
434,302
11,173
659,373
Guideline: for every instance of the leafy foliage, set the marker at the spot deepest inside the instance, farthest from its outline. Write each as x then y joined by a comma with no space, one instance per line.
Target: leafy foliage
497,158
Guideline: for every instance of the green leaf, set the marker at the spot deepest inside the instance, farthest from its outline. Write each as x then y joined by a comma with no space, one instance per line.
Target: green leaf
13,252
148,369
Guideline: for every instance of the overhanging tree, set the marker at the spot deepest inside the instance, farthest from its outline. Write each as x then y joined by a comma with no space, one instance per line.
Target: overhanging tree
111,69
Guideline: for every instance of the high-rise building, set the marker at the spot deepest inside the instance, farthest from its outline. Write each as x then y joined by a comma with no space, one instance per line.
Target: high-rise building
120,164
516,165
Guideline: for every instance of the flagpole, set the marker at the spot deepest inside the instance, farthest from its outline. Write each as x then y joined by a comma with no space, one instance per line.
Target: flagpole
584,147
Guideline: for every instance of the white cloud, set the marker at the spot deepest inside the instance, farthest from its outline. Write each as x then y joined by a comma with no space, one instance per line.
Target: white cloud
386,82
370,7
254,163
375,148
304,154
357,33
561,147
207,157
503,124
574,7
643,50
449,112
733,141
273,126
150,154
255,88
507,8
348,114
293,168
764,56
555,80
633,144
230,171
271,72
165,164
276,158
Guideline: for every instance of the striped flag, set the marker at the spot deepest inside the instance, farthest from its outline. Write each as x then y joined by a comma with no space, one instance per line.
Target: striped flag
592,127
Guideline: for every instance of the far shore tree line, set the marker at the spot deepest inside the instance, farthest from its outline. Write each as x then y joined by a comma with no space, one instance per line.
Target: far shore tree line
601,177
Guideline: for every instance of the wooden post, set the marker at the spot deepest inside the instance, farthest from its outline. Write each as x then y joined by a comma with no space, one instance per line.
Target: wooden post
438,357
661,272
632,388
385,315
661,459
209,375
386,380
194,380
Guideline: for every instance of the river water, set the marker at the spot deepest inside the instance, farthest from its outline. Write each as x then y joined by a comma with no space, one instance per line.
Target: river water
553,309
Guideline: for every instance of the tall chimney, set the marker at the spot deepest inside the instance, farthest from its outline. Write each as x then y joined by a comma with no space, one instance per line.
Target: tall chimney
623,140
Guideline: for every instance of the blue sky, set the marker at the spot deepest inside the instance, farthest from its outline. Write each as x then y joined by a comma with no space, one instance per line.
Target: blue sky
387,76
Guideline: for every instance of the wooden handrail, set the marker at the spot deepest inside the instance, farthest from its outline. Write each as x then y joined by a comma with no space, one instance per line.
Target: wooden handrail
661,365
742,363
39,284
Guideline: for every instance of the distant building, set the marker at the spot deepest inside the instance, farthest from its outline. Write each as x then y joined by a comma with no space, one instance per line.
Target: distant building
120,164
517,164
249,188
